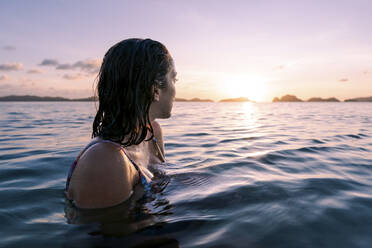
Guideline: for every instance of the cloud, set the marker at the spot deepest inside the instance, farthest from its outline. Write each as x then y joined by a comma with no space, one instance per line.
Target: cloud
344,80
49,62
34,71
75,76
365,72
89,65
64,67
3,77
11,67
9,48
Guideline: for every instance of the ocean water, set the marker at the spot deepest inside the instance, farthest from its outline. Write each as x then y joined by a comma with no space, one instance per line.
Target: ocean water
237,175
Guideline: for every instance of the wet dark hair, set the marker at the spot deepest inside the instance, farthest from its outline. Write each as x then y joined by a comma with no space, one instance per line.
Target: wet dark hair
129,74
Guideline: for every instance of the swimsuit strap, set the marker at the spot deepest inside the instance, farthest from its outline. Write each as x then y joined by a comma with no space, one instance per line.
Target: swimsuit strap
158,148
144,181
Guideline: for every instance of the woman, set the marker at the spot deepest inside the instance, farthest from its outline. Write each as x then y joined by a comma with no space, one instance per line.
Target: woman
135,87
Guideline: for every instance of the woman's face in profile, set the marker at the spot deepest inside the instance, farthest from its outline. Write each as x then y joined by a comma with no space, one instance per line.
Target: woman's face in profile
163,107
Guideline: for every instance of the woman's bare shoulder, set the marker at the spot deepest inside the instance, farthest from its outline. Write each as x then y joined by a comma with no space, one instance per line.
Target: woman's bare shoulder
102,152
103,177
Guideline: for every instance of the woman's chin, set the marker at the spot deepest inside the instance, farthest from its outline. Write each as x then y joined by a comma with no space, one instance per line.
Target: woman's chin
166,115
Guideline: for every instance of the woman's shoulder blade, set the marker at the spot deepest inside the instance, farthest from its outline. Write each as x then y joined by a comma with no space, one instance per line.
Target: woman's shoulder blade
102,152
103,177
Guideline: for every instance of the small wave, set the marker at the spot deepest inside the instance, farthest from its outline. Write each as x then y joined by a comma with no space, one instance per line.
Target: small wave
23,154
362,135
15,113
195,134
10,148
316,141
271,158
353,136
43,122
328,186
362,202
193,178
208,145
316,149
241,194
27,127
280,142
20,137
175,145
239,139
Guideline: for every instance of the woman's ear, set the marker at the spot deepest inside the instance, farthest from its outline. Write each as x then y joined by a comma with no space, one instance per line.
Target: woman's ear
156,93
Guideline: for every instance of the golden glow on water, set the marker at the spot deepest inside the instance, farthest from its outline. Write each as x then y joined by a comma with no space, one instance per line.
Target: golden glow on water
250,112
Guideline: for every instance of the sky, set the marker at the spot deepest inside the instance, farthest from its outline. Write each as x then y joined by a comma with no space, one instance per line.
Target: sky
257,49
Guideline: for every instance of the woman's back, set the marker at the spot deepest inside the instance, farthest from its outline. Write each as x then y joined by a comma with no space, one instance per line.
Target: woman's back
102,176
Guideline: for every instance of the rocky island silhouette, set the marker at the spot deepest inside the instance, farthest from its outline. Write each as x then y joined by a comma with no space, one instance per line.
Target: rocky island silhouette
293,98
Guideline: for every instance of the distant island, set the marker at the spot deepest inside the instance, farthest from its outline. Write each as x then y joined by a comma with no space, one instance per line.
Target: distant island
360,99
193,100
292,98
319,99
239,99
287,98
29,98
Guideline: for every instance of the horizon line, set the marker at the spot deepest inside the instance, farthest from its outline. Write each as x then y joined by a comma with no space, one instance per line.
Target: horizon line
196,99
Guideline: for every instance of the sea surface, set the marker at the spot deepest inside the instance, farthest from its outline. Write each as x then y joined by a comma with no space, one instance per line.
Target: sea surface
237,175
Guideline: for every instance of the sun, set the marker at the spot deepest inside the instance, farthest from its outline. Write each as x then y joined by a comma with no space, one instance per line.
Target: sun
252,87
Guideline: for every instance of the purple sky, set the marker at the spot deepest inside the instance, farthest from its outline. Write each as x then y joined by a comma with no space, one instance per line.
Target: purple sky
222,49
